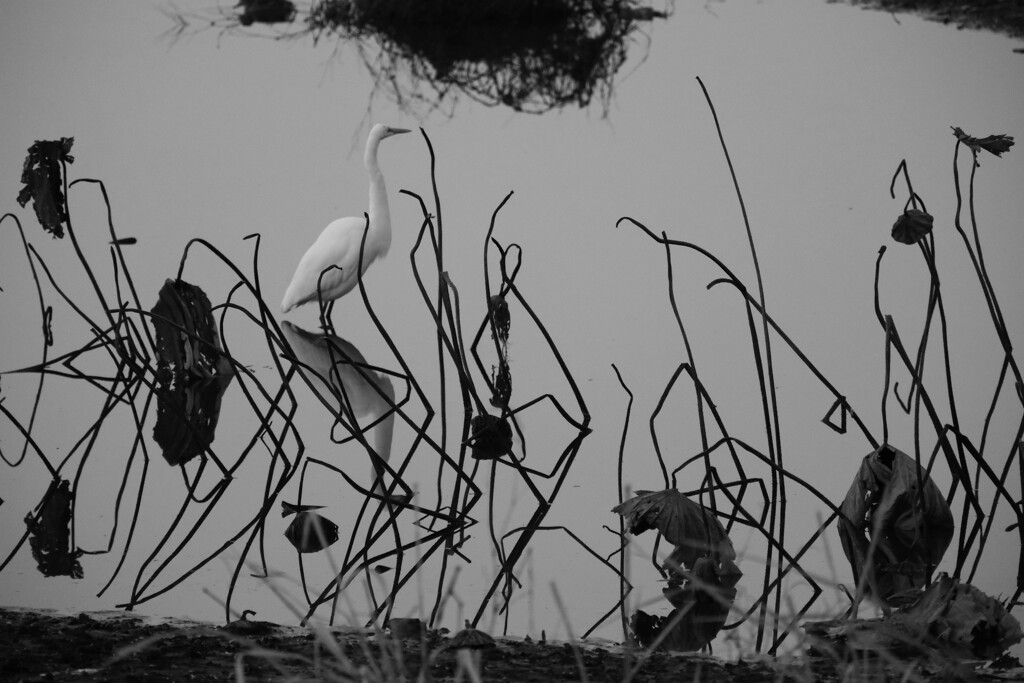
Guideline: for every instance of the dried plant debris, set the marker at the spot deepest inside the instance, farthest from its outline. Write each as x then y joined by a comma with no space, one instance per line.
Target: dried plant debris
896,526
994,144
702,570
912,226
701,603
193,372
49,529
691,527
961,620
947,623
43,182
491,437
530,55
501,321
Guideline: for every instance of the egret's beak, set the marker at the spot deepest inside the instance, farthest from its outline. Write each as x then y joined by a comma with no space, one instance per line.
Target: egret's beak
396,131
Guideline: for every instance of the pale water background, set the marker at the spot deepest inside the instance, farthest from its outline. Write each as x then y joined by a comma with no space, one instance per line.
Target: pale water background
222,136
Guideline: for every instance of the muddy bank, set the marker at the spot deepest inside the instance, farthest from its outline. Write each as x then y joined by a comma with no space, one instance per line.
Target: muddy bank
109,646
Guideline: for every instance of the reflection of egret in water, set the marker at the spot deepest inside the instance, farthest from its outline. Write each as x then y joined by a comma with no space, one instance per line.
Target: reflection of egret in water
346,381
528,56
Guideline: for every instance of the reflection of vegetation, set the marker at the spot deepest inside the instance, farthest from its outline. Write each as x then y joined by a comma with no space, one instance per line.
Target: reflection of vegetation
529,55
50,533
1003,16
434,524
180,353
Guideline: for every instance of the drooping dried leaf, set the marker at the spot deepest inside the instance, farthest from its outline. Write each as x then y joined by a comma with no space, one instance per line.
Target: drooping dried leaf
310,532
912,226
994,144
501,378
895,504
43,182
692,528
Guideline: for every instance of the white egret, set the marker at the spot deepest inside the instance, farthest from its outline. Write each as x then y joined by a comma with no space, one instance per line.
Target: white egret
339,243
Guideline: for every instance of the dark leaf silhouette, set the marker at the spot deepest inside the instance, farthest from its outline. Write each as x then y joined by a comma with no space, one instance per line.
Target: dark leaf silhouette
43,182
701,604
530,55
49,529
910,524
193,372
265,11
310,532
995,144
692,528
912,226
491,437
702,569
501,378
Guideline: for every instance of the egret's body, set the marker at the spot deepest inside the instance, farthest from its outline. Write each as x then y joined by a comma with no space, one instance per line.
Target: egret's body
339,243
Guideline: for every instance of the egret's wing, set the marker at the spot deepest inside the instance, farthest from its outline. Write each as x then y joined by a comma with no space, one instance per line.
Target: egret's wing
337,245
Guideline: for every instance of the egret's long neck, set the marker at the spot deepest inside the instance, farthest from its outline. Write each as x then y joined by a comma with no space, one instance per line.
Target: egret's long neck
380,215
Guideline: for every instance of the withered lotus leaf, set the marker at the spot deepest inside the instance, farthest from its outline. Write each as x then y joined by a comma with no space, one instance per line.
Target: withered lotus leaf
895,505
692,528
193,371
491,436
310,532
702,569
43,184
994,144
49,529
912,226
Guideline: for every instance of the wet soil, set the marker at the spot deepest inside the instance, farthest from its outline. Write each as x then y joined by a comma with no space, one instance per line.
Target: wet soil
39,646
43,646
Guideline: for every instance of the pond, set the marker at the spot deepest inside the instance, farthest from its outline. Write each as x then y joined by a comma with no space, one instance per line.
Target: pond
221,135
